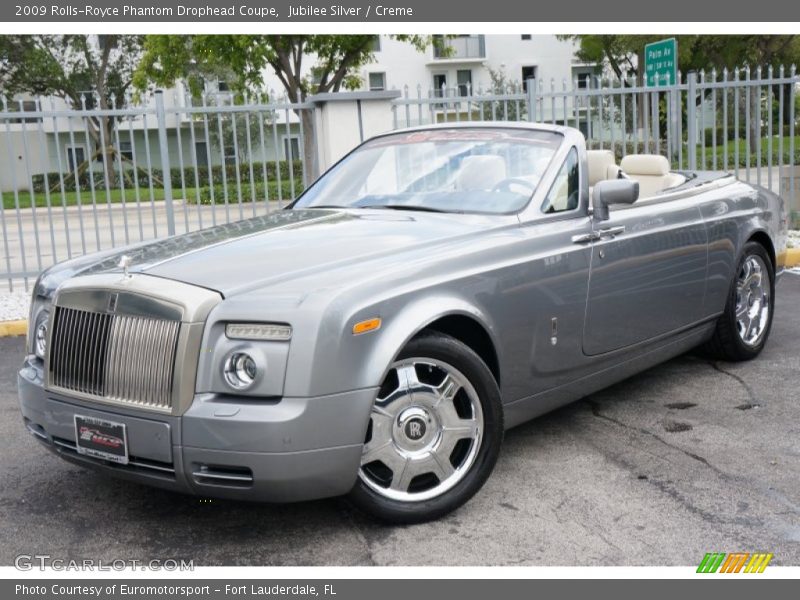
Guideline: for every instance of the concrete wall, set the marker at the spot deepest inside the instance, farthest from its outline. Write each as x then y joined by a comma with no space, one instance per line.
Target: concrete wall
344,120
15,148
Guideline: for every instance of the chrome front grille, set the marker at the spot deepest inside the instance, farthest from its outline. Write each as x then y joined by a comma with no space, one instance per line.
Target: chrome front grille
128,359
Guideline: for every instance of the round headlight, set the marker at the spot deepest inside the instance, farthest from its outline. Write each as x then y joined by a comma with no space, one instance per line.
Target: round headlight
40,339
240,370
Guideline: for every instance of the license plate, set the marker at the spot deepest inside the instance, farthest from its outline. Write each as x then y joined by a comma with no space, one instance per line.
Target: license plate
101,439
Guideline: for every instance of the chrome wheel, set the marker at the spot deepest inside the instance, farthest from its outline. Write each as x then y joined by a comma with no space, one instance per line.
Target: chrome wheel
424,433
752,300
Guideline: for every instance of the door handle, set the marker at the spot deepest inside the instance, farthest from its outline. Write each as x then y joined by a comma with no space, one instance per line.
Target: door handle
611,232
585,238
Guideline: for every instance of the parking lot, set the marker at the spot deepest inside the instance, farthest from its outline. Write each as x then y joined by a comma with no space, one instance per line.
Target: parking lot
690,457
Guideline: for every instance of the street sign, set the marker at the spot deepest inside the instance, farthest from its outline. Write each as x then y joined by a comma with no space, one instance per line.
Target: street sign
661,62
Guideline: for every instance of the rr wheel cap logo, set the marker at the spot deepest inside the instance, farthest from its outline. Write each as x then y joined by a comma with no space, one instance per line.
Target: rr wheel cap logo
415,429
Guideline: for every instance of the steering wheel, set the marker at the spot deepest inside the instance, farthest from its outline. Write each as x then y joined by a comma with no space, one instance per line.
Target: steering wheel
506,184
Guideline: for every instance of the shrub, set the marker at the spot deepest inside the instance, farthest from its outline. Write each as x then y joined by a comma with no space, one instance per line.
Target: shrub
204,176
247,191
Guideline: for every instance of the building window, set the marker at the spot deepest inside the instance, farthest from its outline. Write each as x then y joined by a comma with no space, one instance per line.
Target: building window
126,150
375,44
440,85
201,154
291,148
583,76
23,107
528,72
464,81
76,155
377,82
222,86
525,36
87,100
459,46
230,155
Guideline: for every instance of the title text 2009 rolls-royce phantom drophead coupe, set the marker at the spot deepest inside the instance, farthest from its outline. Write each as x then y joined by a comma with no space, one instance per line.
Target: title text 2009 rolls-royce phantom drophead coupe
433,288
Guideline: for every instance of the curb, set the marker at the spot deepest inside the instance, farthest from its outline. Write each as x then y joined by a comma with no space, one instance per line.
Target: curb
792,257
12,328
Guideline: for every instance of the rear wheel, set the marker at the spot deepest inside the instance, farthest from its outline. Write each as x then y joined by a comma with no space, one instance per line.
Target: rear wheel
434,433
744,327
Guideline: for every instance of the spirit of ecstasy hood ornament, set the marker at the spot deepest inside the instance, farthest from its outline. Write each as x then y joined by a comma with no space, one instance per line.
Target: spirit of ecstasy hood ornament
124,263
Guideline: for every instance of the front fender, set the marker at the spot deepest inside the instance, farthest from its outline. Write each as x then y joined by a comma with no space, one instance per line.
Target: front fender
343,361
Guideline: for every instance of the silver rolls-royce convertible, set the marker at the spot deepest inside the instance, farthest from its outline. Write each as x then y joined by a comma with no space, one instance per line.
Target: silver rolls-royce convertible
434,288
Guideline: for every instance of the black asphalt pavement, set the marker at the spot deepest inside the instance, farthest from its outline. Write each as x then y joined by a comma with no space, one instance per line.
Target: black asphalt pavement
689,457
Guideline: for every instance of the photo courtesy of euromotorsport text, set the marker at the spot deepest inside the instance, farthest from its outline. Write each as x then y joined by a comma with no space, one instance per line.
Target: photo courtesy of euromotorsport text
509,292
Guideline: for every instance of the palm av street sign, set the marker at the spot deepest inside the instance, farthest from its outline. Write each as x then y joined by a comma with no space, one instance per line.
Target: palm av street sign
661,62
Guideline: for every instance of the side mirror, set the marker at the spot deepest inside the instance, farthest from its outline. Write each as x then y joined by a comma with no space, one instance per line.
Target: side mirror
613,191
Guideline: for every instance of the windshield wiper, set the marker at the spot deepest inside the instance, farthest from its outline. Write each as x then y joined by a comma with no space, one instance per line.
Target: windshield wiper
408,207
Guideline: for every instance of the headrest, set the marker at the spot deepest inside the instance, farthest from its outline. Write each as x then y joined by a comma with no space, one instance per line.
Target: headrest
480,172
645,164
599,163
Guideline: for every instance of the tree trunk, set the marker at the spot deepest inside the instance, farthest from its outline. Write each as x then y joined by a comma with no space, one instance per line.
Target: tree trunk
102,128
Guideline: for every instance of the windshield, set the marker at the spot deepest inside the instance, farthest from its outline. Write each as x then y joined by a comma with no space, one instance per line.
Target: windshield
442,170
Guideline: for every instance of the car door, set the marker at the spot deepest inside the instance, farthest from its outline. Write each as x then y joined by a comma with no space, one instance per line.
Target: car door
647,273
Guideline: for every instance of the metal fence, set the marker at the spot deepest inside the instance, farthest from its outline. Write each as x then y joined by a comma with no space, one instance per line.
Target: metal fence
77,179
744,121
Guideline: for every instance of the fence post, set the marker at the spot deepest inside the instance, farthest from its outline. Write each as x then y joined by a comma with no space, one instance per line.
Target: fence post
531,100
165,169
691,120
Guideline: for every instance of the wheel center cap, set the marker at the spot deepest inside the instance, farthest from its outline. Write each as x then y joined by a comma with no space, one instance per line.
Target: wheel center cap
414,429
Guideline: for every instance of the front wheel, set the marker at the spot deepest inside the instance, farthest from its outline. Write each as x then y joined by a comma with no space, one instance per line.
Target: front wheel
744,327
434,433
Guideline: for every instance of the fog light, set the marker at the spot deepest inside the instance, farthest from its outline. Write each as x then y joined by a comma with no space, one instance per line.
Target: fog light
40,339
240,370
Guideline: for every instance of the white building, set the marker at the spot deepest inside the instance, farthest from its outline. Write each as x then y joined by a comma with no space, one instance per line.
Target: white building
469,61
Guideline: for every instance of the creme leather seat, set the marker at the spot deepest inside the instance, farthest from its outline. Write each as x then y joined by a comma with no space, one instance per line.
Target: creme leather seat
601,166
652,171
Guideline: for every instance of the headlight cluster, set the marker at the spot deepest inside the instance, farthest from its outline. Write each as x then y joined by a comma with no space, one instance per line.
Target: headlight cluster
241,368
38,322
40,335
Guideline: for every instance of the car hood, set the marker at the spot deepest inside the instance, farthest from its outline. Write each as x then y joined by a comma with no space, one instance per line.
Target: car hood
275,248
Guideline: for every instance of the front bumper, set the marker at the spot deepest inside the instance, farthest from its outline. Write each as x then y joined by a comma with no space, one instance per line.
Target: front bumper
271,450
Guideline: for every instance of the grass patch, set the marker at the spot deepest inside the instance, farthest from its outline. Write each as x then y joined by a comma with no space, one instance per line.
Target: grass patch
743,148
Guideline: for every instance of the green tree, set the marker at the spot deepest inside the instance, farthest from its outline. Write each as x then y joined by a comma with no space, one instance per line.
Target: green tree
334,61
626,52
91,70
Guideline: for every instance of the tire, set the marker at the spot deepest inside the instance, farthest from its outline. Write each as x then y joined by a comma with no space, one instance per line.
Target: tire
436,390
728,341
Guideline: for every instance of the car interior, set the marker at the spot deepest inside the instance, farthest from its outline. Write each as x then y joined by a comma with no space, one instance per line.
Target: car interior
652,171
